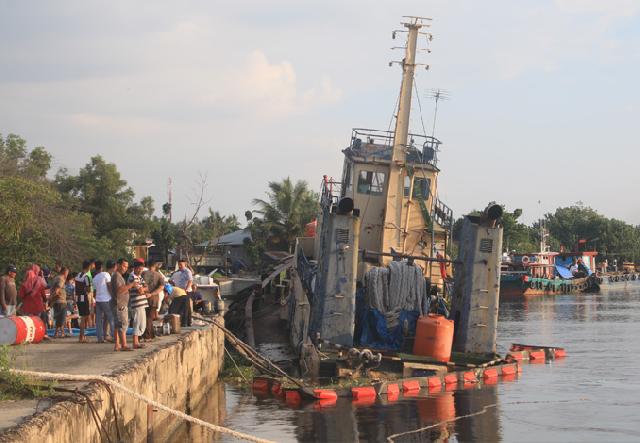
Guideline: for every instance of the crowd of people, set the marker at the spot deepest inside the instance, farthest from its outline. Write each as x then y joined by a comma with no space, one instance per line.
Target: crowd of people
111,296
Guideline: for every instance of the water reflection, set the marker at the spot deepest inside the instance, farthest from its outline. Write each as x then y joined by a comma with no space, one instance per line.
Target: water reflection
347,421
592,395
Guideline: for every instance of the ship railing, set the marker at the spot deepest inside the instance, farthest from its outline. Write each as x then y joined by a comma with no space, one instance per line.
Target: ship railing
442,214
306,270
426,146
330,192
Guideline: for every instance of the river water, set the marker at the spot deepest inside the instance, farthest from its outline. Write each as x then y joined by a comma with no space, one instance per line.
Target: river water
592,395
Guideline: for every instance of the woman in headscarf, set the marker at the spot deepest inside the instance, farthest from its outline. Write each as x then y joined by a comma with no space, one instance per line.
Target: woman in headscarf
33,294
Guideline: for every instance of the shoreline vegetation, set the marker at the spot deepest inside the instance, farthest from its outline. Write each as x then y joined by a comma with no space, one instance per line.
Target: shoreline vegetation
18,387
94,213
569,227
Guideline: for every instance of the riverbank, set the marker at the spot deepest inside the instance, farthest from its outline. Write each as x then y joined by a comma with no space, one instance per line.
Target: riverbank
174,370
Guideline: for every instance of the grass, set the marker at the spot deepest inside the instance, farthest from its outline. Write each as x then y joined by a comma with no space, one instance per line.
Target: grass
17,387
237,369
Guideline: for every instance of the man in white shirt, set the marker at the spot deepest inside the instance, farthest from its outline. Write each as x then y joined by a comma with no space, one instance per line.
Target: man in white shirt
102,285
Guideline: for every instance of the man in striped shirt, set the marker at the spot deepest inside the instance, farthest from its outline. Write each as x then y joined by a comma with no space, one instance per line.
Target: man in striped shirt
138,302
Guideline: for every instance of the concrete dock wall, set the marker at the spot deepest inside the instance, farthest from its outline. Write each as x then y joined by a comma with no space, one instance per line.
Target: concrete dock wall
177,375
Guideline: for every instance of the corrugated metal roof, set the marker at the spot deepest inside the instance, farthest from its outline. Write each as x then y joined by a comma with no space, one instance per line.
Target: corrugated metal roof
235,238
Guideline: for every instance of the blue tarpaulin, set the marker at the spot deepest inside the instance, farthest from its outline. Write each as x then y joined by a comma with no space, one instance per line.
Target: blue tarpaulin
564,263
373,332
563,272
88,332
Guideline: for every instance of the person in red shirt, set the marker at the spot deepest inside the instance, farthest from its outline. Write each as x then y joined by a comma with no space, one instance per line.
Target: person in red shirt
33,294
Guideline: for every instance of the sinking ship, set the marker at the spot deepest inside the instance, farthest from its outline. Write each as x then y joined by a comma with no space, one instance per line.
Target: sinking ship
378,267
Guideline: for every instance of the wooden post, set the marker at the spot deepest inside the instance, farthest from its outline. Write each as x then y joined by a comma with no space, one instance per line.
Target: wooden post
149,423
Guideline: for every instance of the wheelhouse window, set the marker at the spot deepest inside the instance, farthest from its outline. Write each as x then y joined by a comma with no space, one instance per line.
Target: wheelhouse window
421,188
407,186
346,180
370,182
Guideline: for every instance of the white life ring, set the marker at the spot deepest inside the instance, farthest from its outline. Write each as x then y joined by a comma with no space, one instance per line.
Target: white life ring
525,260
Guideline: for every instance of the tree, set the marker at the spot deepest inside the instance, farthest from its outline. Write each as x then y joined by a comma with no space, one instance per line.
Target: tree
99,190
164,236
577,224
215,225
516,236
287,209
38,227
16,159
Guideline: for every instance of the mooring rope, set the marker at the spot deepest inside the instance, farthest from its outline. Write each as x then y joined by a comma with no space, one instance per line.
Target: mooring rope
160,406
485,409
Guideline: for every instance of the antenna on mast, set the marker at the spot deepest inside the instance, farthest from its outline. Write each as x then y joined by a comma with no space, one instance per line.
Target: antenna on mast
437,95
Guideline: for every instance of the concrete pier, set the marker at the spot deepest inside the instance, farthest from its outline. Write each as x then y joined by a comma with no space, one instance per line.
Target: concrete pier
175,370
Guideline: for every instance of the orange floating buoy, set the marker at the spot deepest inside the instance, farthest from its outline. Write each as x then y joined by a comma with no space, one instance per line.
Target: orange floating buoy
260,385
434,337
293,397
536,355
393,389
410,386
363,392
508,370
275,388
559,353
434,382
450,379
325,394
490,373
470,377
515,356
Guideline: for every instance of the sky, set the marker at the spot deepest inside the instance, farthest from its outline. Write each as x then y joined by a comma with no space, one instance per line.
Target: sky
543,109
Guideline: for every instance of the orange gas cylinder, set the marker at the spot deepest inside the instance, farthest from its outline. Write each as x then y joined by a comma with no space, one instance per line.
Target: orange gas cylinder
434,337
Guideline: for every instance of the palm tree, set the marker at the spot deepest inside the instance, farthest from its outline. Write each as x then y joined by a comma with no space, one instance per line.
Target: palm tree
287,209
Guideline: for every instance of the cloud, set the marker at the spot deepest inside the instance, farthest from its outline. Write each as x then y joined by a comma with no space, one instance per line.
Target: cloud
271,89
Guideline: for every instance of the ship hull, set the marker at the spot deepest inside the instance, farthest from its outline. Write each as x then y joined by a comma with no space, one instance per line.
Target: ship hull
541,286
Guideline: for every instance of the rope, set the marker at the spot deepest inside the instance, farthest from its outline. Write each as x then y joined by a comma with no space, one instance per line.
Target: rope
484,410
126,390
393,289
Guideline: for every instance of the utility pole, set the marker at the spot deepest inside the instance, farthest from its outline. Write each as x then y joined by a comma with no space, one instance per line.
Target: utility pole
170,193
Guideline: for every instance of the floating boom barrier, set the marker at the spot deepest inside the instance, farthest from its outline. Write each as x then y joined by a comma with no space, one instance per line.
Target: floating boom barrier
508,370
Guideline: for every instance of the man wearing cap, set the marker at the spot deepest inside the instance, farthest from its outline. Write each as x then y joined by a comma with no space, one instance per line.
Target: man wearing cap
183,279
8,292
155,284
179,303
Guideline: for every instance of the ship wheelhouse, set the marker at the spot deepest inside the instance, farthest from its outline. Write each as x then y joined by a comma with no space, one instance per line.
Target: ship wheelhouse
425,221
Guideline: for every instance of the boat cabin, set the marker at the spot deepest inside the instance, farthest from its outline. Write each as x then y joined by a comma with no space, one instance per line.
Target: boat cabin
426,222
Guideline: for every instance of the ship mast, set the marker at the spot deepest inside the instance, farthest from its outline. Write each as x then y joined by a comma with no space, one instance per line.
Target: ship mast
392,234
